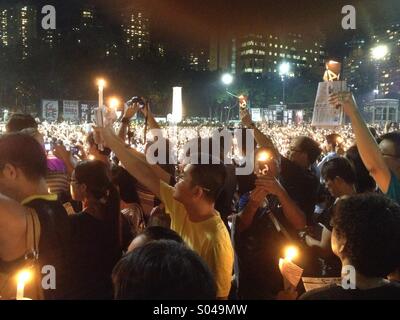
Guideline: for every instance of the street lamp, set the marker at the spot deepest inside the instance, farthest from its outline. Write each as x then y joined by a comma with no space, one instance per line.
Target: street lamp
378,54
227,79
284,70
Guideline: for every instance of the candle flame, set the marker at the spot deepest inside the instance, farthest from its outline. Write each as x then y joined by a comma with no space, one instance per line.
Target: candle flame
114,103
264,156
24,276
101,83
291,253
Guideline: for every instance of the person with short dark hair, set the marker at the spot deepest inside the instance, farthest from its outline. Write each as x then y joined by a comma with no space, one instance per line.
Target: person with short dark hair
339,177
190,204
366,236
296,170
364,182
390,148
19,121
56,178
23,168
163,270
267,218
333,142
154,234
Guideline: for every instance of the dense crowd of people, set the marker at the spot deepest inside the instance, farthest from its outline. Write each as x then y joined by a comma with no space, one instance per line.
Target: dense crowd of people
86,201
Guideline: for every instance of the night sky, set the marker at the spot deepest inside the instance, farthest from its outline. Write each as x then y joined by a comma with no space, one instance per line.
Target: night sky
191,21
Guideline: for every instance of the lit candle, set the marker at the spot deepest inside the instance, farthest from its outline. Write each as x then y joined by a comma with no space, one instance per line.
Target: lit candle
291,253
114,103
22,278
101,84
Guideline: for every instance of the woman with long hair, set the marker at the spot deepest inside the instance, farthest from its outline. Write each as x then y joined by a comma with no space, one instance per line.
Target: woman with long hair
96,230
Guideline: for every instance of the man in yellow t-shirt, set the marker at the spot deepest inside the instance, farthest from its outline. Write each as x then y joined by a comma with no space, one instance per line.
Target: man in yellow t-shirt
190,204
209,238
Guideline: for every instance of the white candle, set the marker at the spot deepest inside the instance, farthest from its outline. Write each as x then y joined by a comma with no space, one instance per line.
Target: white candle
101,83
23,277
20,290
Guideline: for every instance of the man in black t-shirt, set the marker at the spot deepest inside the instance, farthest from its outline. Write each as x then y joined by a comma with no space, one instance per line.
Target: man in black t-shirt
366,236
268,221
23,169
296,173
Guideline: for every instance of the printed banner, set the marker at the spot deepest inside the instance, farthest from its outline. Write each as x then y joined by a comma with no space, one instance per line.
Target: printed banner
256,115
50,110
71,110
87,111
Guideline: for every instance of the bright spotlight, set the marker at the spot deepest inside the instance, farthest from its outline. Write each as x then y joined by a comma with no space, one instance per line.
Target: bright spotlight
284,69
379,52
227,79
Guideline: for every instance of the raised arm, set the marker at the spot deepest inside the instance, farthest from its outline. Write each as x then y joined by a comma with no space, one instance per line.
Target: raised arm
128,114
159,172
151,121
262,140
141,170
61,153
367,146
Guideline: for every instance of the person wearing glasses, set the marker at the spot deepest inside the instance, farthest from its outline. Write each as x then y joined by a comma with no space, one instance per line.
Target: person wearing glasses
296,173
383,160
190,204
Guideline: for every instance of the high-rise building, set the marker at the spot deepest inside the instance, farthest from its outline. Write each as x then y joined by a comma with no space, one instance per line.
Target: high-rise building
87,17
3,27
198,59
136,27
262,54
222,54
252,54
365,73
356,69
18,28
85,26
388,72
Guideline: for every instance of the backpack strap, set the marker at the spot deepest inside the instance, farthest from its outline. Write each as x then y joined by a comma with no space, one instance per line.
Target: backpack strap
33,231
